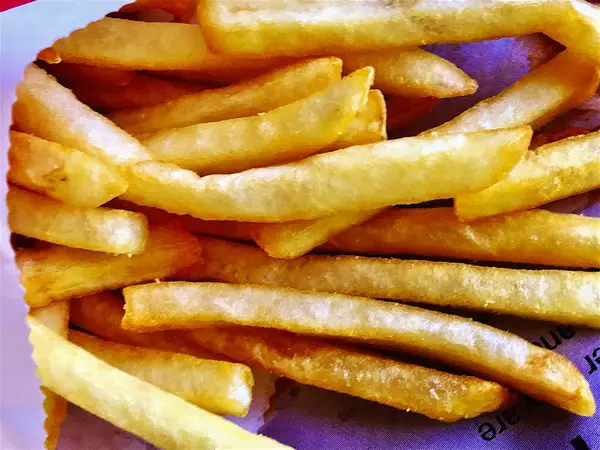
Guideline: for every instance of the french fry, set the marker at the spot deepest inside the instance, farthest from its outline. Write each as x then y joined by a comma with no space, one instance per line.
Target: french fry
413,73
548,173
70,74
132,45
141,408
50,111
217,386
460,342
285,134
247,98
326,184
99,229
538,97
184,10
57,273
549,295
351,371
61,173
142,92
56,318
563,240
243,28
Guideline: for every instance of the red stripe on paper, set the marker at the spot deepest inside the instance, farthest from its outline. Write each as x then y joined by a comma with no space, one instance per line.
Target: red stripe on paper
9,4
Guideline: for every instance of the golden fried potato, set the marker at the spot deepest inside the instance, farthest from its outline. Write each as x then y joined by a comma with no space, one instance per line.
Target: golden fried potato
217,386
56,273
548,173
247,98
412,73
533,237
549,295
61,173
98,229
50,111
435,394
285,134
453,340
410,170
159,417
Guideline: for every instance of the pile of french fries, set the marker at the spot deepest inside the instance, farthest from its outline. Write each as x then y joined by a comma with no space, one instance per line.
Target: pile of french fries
204,199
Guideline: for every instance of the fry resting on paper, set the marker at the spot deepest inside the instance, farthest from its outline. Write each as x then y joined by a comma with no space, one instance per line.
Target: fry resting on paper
99,229
345,369
59,273
460,342
129,403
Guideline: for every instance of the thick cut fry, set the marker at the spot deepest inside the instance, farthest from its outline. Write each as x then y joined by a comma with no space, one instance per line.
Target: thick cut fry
535,99
99,229
62,173
413,73
533,237
81,74
450,339
132,45
182,9
551,295
410,170
57,273
285,134
129,403
217,386
435,394
50,111
56,318
247,98
244,27
142,92
548,173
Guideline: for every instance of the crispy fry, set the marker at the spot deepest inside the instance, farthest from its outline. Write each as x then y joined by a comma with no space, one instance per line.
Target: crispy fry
345,369
142,92
550,172
326,184
57,273
50,111
550,295
535,99
450,339
242,27
62,173
56,318
217,386
413,73
129,403
285,134
534,237
132,45
99,229
403,111
182,9
81,74
247,98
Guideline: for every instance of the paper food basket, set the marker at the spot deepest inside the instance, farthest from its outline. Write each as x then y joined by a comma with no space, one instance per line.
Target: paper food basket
303,417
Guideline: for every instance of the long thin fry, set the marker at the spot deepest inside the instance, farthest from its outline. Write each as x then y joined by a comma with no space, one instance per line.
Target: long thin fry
548,173
132,45
345,369
62,173
563,240
285,134
50,111
99,229
413,73
217,386
450,339
550,295
327,184
56,318
56,273
246,98
129,403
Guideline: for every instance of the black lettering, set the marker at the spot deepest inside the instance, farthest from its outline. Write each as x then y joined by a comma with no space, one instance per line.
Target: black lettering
556,339
503,426
596,355
537,344
487,431
593,366
566,332
579,443
511,416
